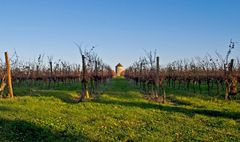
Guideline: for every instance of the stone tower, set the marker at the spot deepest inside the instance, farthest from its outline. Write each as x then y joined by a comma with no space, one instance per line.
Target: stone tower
119,70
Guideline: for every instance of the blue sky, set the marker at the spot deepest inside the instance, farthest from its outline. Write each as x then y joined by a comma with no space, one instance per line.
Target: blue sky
120,29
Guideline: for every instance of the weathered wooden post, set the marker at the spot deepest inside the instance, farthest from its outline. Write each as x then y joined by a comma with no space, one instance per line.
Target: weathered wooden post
103,79
135,76
96,81
140,77
51,75
3,85
159,85
157,78
9,77
229,78
85,93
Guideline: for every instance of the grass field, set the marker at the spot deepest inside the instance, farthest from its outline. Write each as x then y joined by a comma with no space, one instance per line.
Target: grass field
121,113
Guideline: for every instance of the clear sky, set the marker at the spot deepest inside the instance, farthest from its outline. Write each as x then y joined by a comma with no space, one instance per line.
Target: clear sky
120,29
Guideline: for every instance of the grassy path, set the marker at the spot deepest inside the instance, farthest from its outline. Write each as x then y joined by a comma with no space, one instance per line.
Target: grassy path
120,114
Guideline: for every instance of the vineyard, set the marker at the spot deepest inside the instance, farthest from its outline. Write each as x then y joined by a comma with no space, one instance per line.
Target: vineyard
52,100
208,75
119,71
212,76
55,74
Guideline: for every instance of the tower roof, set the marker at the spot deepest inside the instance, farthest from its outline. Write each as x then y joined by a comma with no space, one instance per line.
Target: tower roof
119,65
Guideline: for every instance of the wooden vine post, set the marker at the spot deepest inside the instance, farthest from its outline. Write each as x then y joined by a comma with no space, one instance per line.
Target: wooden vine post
9,77
231,82
2,87
51,74
103,74
157,78
140,76
85,93
96,77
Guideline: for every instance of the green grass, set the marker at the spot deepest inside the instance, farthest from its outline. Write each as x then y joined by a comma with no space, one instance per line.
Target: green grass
120,114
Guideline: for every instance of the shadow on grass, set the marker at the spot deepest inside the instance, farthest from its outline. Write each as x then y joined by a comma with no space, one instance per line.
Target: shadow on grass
62,91
19,130
178,102
62,95
186,111
2,108
117,85
126,95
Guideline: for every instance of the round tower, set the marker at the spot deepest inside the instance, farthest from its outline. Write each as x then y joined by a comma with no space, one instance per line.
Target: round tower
119,70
